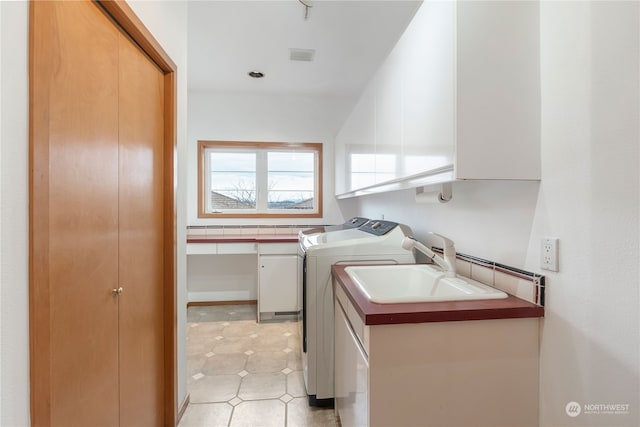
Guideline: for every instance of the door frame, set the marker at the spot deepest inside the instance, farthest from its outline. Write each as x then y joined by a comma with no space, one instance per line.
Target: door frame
39,335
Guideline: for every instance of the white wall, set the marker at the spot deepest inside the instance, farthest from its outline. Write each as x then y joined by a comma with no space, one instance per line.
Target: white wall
167,21
14,194
589,197
246,117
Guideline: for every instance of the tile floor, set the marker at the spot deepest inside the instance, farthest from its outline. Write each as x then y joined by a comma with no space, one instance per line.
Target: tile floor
244,373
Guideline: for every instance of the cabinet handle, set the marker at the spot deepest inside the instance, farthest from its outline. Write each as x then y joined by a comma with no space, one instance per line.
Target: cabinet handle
117,291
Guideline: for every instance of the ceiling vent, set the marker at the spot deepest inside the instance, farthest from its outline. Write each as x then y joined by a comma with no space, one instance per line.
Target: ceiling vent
306,55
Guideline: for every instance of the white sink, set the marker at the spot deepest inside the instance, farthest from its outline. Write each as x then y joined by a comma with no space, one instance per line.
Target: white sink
390,284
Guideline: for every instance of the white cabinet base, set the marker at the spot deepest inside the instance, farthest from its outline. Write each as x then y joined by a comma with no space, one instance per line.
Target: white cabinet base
351,374
472,373
457,374
277,282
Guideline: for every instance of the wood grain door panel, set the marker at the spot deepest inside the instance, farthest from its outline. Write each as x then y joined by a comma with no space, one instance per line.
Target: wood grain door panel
83,215
141,137
97,223
101,217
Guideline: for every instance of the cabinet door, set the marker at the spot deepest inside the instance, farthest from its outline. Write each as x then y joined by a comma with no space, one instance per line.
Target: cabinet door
428,78
497,97
388,121
355,146
351,374
278,283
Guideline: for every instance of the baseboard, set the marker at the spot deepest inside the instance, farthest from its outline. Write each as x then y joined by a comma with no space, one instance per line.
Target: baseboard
183,407
236,302
239,295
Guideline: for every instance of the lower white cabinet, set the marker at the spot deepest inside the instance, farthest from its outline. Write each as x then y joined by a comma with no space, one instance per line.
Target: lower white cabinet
445,374
351,373
277,279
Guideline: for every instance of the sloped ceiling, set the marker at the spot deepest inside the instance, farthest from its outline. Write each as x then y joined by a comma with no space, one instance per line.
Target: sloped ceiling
227,39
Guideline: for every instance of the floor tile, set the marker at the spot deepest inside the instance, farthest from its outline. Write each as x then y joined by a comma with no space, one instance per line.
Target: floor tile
195,364
198,347
270,343
206,329
274,329
235,401
224,364
265,362
215,388
299,414
206,414
244,373
262,386
293,342
286,398
242,328
295,384
294,361
263,413
232,345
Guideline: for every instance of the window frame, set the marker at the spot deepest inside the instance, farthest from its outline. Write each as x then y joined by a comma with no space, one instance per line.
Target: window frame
203,145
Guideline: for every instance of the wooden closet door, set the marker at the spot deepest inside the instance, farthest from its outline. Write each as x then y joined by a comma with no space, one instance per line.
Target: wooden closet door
141,238
79,205
96,215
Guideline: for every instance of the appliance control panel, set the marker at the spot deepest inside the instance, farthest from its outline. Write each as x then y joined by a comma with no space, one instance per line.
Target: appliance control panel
378,227
355,222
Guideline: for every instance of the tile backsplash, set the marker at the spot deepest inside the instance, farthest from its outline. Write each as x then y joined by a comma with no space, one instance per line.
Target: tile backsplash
520,283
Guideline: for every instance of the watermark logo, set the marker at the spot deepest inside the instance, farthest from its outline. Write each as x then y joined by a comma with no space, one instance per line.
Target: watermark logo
573,409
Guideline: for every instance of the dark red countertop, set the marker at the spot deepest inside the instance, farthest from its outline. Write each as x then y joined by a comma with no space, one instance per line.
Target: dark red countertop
243,238
449,311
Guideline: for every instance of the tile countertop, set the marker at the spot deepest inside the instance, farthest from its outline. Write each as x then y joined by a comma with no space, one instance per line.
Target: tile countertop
450,311
240,238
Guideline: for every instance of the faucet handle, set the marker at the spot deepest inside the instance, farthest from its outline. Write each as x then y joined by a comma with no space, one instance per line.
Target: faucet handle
448,245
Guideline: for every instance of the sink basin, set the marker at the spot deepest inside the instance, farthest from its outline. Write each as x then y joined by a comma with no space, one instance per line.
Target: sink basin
391,284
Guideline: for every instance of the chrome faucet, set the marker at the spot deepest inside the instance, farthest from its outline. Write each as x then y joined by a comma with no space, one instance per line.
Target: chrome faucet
448,263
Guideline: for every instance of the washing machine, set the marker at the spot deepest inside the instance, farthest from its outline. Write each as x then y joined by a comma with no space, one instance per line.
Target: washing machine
354,222
375,241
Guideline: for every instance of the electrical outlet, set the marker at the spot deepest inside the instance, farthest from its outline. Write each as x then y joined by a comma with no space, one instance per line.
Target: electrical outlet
549,254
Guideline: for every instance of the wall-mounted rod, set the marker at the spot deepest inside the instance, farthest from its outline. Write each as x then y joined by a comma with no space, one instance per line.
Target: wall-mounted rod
444,195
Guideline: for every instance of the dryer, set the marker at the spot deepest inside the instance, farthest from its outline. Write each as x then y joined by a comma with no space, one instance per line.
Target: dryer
375,241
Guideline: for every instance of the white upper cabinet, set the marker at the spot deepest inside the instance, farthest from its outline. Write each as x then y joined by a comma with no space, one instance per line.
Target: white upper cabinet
457,98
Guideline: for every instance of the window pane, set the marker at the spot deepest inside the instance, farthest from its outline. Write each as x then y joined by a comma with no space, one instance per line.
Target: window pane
233,180
291,161
247,179
291,180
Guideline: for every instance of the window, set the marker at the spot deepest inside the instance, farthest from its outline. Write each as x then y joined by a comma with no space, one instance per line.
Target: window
259,179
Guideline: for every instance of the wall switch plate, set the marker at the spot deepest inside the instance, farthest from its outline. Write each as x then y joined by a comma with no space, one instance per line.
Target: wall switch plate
549,254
